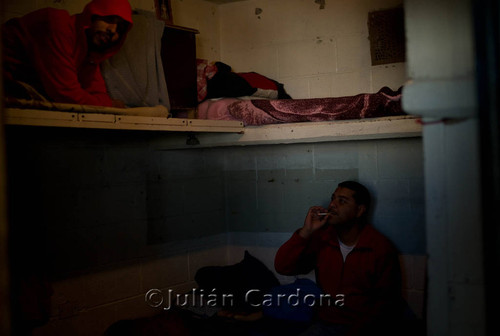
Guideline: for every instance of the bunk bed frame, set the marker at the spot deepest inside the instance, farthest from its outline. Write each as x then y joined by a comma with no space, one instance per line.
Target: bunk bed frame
213,133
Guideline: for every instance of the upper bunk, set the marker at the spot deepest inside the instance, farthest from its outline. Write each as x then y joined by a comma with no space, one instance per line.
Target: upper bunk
233,121
216,122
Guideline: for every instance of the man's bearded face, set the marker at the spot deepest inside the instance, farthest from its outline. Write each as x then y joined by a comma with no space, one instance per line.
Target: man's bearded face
105,31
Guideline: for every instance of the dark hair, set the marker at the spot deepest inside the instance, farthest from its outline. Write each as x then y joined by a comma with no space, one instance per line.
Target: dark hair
361,194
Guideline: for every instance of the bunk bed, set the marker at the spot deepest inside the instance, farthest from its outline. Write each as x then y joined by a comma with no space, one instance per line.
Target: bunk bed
241,120
218,120
211,132
237,120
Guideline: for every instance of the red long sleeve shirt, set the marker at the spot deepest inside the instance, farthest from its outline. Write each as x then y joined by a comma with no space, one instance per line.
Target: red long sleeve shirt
367,285
48,50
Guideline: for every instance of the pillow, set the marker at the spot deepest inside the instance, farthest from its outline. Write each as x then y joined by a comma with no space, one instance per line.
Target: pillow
226,83
266,87
258,81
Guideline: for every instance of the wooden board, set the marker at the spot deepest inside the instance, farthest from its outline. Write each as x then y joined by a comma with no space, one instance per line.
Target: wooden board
342,130
14,116
214,133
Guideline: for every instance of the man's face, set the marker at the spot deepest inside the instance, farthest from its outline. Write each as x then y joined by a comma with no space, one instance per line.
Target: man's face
105,31
344,208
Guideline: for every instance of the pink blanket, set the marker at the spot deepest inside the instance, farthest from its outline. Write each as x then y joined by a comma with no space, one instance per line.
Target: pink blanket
385,102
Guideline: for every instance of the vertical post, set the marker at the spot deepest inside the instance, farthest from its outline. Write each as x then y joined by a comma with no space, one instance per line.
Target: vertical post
487,35
441,63
4,260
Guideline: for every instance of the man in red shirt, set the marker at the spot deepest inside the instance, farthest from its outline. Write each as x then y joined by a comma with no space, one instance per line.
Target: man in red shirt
354,263
59,54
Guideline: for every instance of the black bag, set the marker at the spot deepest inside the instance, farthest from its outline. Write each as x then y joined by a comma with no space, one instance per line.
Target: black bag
239,287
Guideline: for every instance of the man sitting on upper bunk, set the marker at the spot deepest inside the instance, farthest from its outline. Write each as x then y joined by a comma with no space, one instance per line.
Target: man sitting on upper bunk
59,54
355,264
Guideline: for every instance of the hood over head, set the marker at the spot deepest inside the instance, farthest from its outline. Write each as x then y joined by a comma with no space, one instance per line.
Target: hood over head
120,8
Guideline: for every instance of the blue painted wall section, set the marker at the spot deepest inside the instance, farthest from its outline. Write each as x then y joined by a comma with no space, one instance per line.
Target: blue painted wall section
99,198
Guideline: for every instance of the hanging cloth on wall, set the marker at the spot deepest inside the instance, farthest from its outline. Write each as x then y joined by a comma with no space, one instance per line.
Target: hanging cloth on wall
135,74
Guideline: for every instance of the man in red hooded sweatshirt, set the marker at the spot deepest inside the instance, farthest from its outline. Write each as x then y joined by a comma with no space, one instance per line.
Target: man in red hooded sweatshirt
59,54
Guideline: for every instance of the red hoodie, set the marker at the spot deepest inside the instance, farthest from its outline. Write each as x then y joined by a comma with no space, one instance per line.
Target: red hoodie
48,49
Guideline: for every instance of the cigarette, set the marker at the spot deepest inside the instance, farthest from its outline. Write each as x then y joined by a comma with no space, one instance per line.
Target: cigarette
323,213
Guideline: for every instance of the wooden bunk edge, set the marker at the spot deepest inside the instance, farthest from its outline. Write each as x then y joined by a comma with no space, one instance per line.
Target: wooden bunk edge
33,117
308,132
214,133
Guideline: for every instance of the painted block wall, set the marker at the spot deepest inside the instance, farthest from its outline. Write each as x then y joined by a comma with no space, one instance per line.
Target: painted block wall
203,16
315,52
105,216
105,197
119,194
270,188
94,196
115,230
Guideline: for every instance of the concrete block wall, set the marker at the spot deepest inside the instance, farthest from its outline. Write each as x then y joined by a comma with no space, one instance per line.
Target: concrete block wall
203,16
118,216
108,197
314,51
270,188
89,304
106,217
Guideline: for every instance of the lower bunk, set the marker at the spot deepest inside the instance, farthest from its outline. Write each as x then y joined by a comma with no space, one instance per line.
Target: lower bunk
248,299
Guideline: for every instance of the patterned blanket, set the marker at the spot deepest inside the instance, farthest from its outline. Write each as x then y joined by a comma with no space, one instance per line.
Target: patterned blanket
385,102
